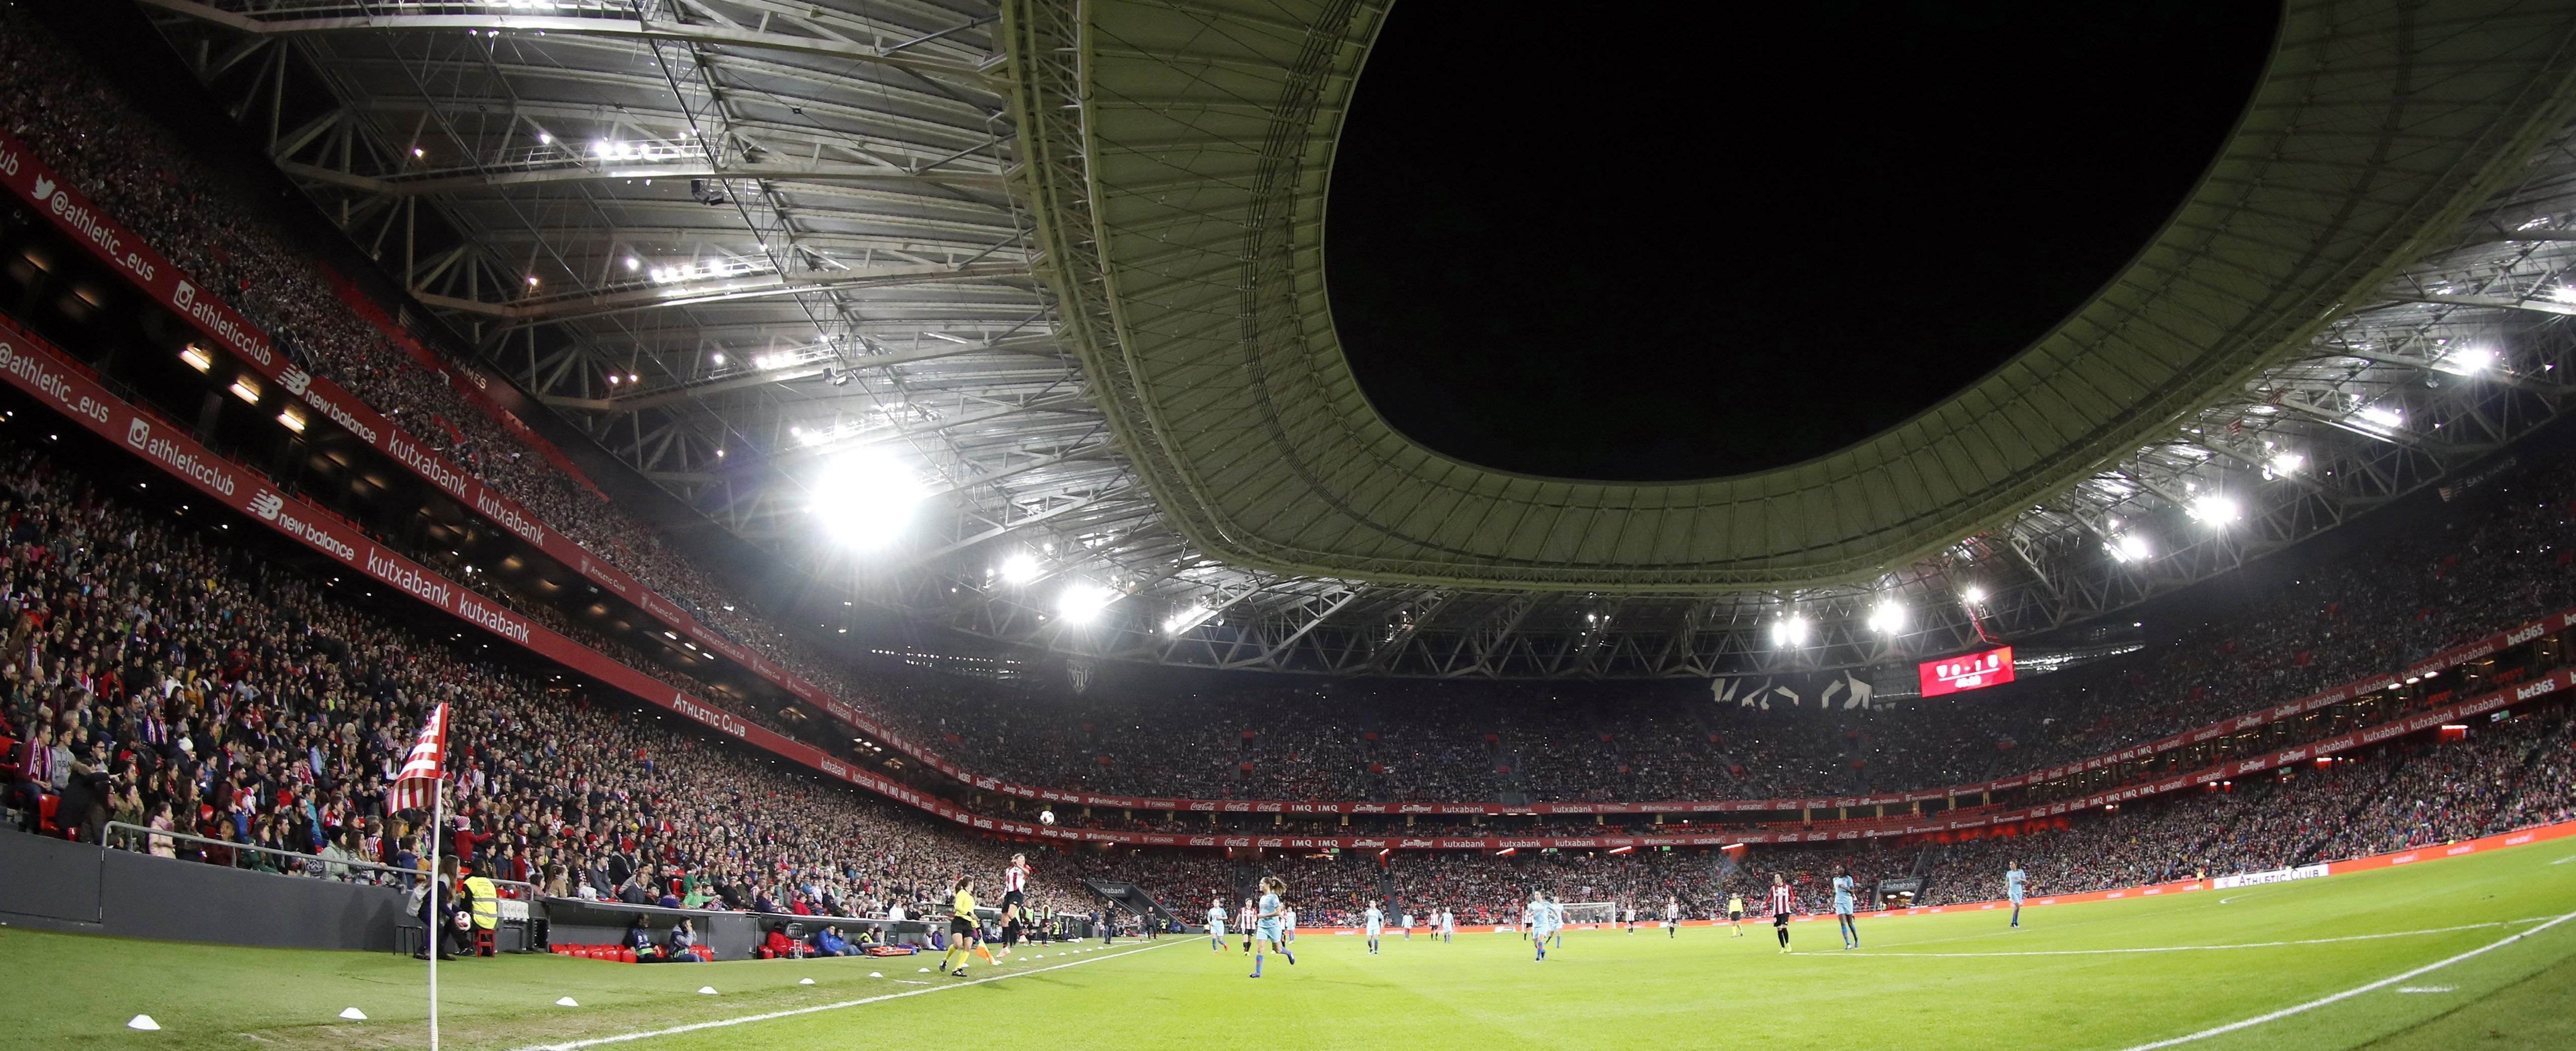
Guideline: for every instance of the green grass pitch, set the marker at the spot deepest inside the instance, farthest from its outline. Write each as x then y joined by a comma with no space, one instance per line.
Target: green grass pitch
2105,975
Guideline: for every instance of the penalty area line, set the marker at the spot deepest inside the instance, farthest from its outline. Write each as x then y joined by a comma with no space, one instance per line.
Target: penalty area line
720,1023
2348,994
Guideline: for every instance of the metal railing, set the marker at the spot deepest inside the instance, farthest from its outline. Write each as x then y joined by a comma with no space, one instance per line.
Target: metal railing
251,856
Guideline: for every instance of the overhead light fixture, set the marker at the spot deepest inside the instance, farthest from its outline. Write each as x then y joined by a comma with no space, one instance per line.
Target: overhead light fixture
2214,510
196,357
293,420
1082,600
2283,464
1887,617
2382,416
246,390
1187,617
2469,361
1019,568
1972,595
1789,631
2128,547
865,497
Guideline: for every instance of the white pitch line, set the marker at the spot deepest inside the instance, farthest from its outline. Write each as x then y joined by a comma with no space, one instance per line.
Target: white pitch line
572,1045
2352,992
2234,945
2564,860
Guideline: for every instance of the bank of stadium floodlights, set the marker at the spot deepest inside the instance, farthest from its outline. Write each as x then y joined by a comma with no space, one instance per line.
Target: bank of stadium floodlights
1008,317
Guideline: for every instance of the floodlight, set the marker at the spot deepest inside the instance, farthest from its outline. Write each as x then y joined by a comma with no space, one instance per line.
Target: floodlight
2383,416
1020,568
1888,617
1082,600
1187,617
2214,510
2128,547
2468,360
1972,594
1789,631
865,496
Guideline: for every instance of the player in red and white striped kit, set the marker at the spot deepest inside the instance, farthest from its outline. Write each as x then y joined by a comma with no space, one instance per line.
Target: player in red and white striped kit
1783,901
1015,885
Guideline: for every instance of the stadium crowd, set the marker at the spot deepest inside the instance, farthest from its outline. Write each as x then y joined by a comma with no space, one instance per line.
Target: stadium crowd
1383,742
160,679
171,680
168,679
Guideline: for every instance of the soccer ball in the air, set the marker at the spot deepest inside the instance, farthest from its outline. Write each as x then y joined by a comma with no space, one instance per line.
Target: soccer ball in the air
1046,817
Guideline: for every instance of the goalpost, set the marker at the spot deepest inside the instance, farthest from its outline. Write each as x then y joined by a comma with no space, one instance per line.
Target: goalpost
1577,912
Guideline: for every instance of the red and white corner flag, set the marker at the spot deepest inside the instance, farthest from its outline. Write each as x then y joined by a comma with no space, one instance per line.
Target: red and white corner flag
421,784
416,786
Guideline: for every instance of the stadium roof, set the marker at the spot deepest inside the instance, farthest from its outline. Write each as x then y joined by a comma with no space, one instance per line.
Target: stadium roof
1067,259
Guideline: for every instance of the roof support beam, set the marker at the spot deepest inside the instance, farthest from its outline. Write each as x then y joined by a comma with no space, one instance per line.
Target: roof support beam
2537,306
607,24
749,286
1000,531
427,185
657,399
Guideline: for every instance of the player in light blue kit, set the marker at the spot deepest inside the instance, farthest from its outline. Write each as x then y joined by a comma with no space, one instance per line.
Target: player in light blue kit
2015,882
1843,907
1268,924
1375,921
1216,925
1543,920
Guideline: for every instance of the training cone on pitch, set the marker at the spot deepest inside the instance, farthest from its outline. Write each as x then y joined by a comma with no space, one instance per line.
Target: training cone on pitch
876,974
706,990
145,1023
353,1014
566,1002
804,981
924,970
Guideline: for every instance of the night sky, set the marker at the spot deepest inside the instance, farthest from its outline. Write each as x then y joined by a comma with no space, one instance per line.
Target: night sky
1717,238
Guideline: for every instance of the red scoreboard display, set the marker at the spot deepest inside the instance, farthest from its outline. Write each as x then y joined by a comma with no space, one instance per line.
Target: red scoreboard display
1972,671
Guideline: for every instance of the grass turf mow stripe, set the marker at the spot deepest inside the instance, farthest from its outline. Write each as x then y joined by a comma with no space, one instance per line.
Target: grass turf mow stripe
2352,992
2305,966
572,1045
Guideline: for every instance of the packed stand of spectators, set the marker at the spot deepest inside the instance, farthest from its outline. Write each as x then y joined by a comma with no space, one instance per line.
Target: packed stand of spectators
2375,611
2407,794
79,122
170,681
1387,741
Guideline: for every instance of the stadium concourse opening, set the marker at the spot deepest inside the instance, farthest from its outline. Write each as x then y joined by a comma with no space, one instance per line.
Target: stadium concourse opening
348,700
1776,231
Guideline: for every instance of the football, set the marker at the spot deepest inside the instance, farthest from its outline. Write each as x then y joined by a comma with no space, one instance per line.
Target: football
1046,817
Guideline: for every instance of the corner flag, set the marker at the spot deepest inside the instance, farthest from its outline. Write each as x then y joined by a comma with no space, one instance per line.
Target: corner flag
416,786
422,783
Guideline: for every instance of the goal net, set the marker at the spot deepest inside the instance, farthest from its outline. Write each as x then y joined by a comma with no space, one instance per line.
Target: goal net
1591,912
